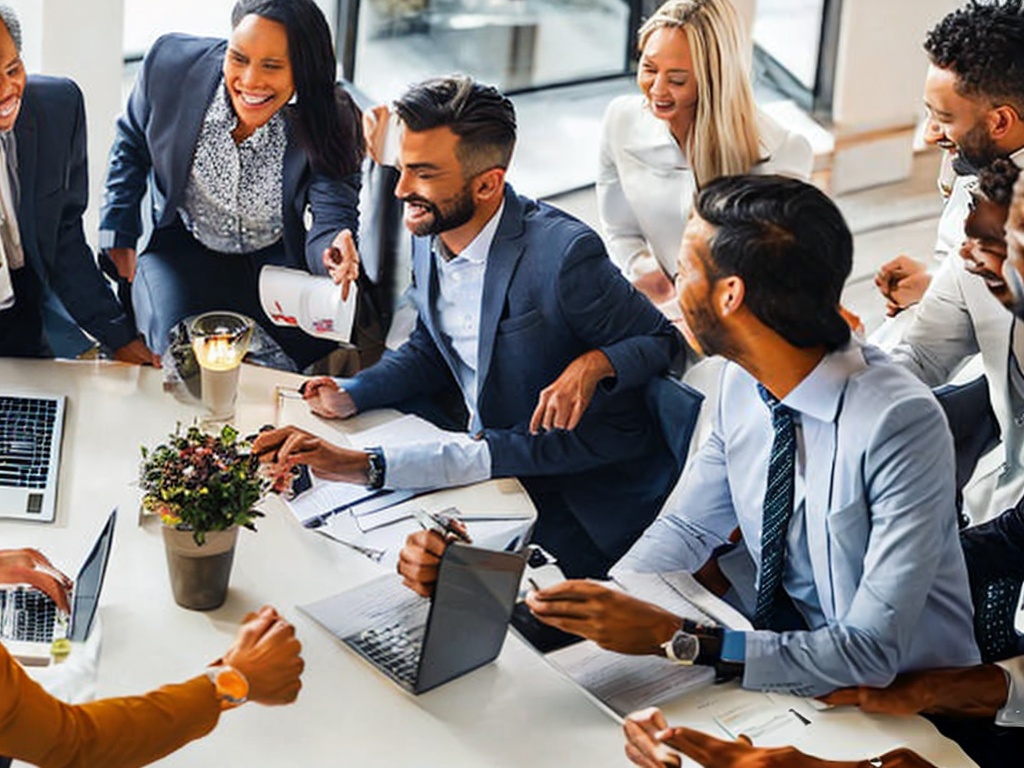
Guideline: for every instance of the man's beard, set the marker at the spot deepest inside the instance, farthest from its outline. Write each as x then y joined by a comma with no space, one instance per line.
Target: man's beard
707,330
456,212
977,147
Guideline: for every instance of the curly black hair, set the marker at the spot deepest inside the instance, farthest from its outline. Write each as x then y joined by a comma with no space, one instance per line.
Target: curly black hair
996,180
983,44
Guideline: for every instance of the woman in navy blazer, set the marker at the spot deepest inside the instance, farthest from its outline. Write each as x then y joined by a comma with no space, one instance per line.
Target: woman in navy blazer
271,84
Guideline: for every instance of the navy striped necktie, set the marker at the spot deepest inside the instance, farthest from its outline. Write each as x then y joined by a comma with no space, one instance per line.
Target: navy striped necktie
778,508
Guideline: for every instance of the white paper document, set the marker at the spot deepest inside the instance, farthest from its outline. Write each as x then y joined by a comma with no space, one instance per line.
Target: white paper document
621,683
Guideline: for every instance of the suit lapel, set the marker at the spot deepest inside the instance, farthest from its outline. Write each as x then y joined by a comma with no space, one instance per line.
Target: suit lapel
506,250
294,165
199,83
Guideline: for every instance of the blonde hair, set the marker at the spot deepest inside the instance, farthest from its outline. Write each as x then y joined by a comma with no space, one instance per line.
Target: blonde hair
723,139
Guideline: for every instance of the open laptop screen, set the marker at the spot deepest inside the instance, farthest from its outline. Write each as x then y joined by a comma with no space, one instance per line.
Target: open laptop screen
89,582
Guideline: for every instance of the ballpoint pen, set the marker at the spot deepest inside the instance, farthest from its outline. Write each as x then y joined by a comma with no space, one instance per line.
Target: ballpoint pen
444,524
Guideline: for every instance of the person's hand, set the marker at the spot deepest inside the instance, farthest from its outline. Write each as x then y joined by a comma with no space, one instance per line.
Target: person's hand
419,560
907,695
902,282
612,619
716,753
656,286
375,131
327,399
342,261
29,566
266,651
125,261
642,745
137,353
562,403
979,691
283,448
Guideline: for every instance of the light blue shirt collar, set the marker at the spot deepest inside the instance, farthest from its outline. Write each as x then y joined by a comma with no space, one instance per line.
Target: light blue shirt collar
821,392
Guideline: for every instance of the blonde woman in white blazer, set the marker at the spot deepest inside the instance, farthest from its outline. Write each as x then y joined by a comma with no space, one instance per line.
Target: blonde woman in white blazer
694,120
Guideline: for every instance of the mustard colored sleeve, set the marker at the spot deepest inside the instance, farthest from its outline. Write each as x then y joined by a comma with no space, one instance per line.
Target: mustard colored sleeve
115,733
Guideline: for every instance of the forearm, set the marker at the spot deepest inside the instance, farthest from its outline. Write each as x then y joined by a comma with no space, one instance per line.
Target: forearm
125,732
970,692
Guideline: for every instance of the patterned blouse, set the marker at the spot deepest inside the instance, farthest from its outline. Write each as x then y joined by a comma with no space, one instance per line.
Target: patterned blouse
233,196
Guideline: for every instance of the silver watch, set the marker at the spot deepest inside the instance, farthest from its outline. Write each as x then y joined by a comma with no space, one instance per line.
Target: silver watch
682,648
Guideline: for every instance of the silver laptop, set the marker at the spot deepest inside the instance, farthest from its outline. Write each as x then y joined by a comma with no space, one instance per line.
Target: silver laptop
30,621
31,427
419,643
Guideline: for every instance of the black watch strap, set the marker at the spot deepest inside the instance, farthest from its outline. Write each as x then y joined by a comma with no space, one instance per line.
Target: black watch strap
377,469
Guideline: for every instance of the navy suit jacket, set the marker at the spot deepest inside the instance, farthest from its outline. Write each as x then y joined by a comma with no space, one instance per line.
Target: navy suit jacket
550,294
53,177
155,141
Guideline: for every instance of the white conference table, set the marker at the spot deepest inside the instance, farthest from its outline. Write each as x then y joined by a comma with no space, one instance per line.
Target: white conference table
516,711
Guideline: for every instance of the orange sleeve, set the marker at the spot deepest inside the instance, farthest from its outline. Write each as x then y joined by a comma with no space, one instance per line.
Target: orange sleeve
123,732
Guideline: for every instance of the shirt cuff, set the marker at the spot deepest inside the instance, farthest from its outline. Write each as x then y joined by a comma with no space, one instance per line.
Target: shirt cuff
451,461
110,239
1012,715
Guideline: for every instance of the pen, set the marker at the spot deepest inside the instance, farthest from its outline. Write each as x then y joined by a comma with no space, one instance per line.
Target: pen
443,524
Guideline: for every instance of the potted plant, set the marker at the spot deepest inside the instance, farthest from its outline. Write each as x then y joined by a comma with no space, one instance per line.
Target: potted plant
203,486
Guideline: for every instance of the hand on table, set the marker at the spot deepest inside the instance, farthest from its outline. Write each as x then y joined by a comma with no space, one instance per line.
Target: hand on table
612,619
562,403
979,691
327,399
283,448
647,737
902,282
266,651
136,352
342,261
29,566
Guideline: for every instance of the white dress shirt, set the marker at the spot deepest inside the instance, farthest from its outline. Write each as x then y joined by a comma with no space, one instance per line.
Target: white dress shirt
459,459
645,186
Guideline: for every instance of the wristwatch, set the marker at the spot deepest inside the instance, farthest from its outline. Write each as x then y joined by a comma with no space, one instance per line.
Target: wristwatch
695,643
375,472
682,647
231,685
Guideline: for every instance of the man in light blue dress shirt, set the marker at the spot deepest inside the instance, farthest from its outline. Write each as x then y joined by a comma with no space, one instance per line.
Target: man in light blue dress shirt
872,573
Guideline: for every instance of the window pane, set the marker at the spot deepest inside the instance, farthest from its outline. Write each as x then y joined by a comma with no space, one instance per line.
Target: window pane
790,32
510,43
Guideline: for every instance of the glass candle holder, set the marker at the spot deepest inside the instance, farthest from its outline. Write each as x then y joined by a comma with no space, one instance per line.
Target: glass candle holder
220,341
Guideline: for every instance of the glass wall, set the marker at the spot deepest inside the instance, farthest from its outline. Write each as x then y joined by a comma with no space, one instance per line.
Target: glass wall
514,44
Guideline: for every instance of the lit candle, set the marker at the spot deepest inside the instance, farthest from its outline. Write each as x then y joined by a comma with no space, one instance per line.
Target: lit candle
220,341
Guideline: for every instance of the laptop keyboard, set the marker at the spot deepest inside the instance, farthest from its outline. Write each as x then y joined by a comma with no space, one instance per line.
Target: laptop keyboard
26,434
27,615
392,648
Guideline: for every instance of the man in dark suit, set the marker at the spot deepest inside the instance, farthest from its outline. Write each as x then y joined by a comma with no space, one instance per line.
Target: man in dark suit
45,193
510,294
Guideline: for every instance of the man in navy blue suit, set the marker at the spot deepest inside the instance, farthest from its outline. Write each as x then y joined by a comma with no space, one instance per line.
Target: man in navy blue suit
514,297
43,194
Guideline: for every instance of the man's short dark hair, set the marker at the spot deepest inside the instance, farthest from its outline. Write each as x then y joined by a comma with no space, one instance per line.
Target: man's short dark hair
482,118
982,43
791,247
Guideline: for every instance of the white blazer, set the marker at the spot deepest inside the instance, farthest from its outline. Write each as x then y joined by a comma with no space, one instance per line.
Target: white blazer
645,186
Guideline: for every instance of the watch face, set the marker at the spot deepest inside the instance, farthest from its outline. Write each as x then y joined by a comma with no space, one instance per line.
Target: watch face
685,646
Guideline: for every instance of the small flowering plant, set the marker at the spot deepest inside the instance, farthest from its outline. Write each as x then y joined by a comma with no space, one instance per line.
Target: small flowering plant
202,482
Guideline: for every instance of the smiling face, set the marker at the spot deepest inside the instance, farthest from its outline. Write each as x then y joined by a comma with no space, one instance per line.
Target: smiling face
257,72
957,123
667,80
12,80
984,250
437,195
